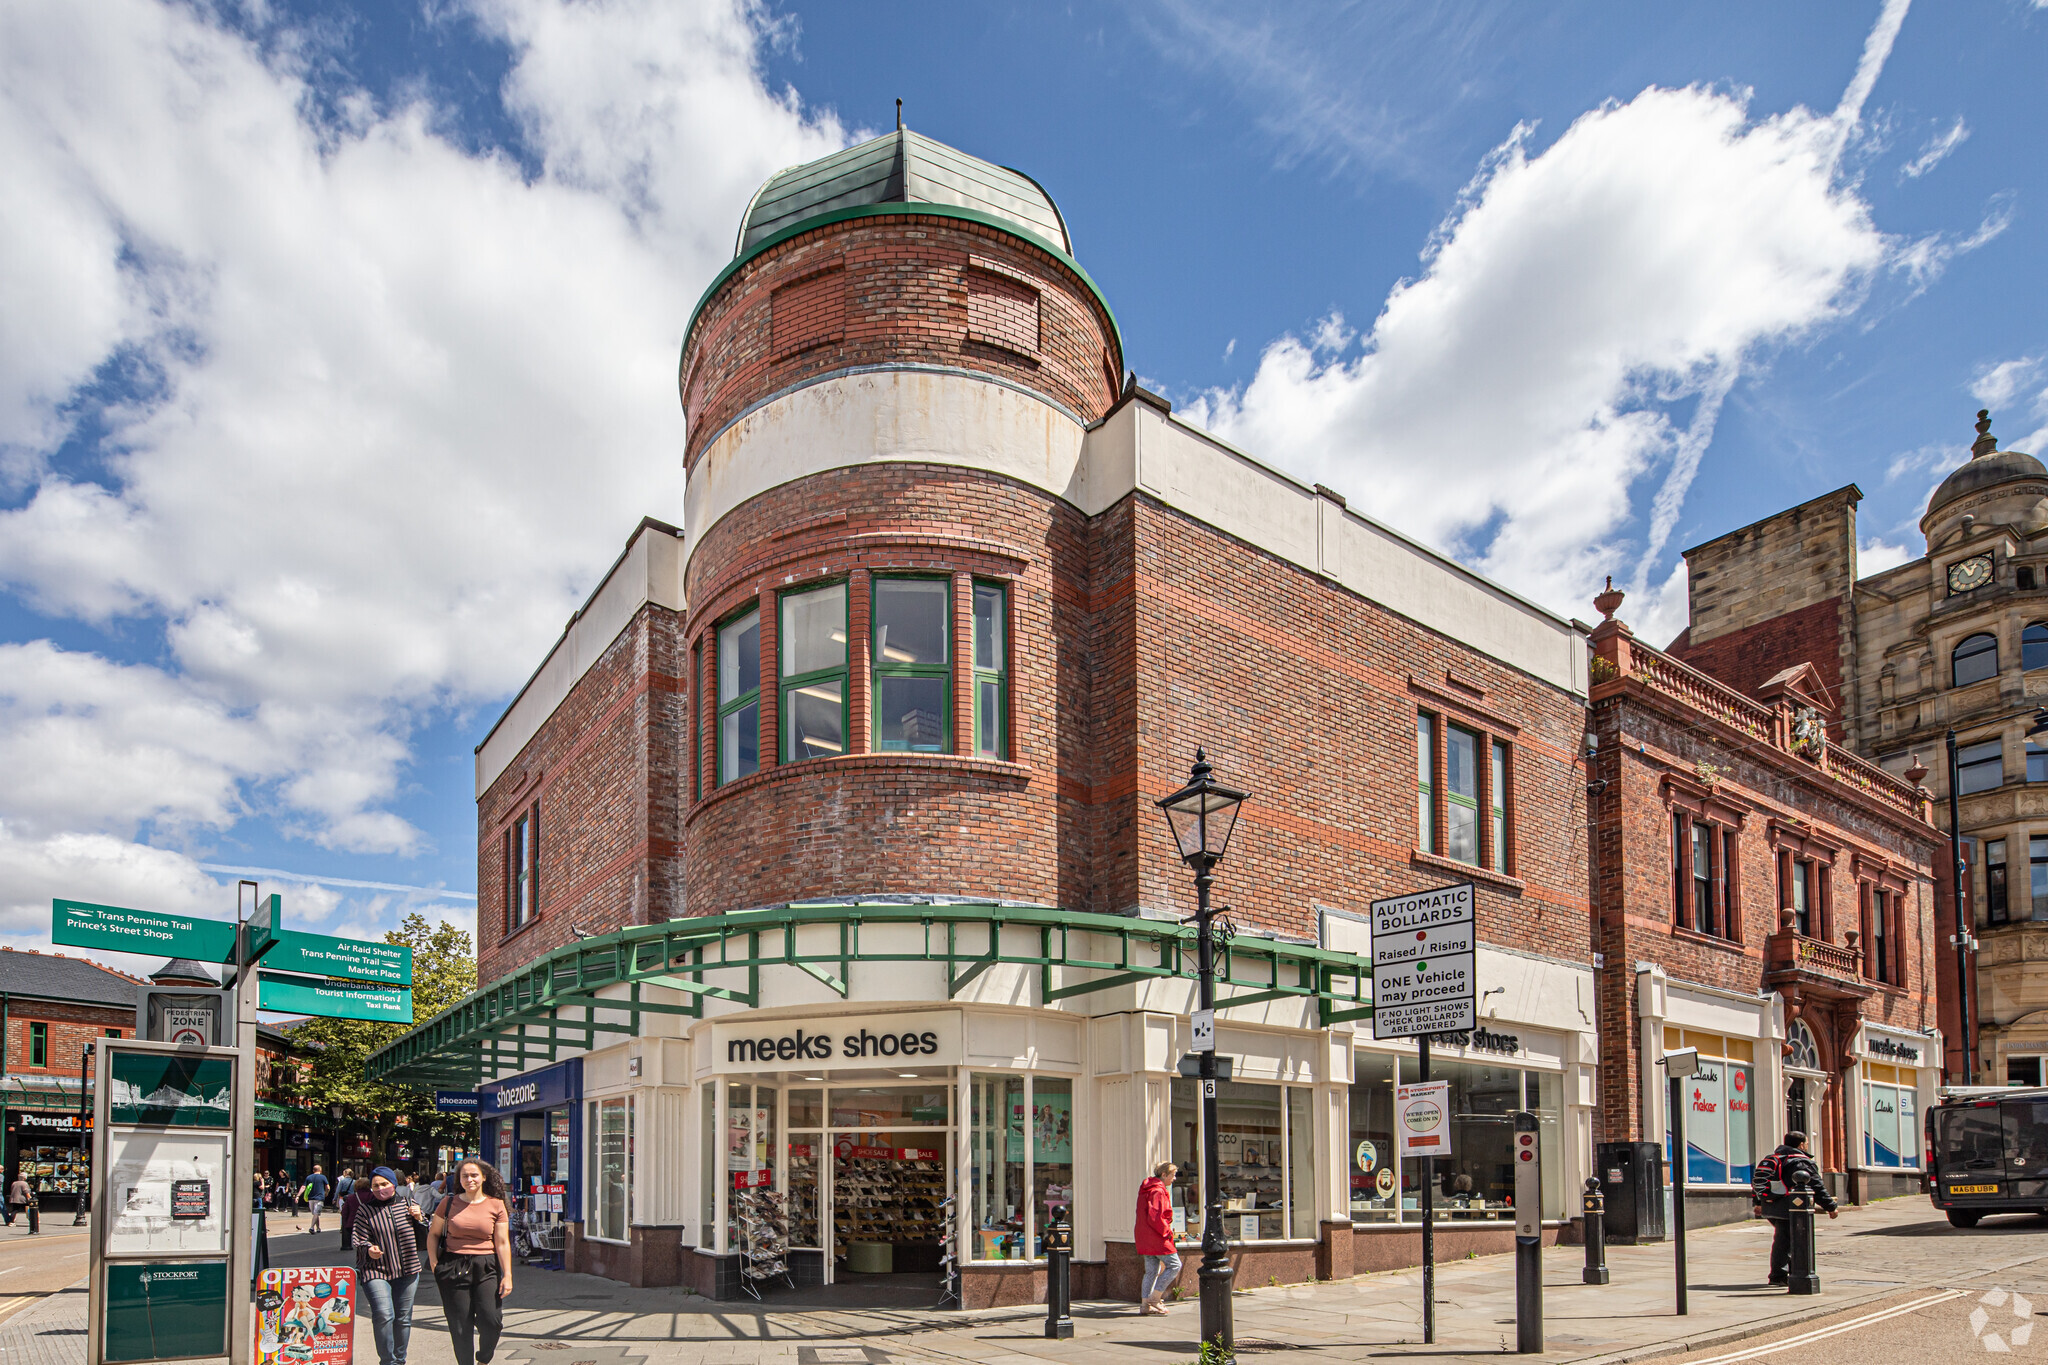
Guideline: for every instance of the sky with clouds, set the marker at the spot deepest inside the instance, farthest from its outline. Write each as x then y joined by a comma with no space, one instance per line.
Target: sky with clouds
337,341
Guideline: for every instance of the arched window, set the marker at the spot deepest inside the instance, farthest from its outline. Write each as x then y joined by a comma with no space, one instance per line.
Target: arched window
1975,660
2034,645
1805,1051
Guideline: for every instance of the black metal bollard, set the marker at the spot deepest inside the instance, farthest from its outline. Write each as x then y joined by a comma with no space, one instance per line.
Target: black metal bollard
1596,1233
1805,1274
1059,1297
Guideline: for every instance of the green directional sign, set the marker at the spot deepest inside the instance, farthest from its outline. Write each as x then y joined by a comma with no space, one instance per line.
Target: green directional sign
114,928
352,959
333,999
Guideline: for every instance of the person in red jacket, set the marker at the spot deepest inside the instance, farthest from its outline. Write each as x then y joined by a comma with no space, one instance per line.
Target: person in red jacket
1155,1237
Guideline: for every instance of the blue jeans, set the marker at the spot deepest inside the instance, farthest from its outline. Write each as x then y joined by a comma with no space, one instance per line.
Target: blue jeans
1161,1274
391,1315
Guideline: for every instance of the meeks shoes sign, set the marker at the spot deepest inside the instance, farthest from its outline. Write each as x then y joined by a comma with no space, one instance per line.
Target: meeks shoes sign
868,1040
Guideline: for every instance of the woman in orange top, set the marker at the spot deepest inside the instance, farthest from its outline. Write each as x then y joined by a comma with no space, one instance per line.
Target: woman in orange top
473,1270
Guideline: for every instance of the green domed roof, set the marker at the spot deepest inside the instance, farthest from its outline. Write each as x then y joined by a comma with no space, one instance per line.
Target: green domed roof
902,167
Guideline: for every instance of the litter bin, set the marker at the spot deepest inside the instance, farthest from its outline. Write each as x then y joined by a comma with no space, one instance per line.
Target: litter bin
1632,1177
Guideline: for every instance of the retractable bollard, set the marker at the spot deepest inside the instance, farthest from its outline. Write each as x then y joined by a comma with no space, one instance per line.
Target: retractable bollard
1596,1232
1059,1300
1805,1274
1528,1236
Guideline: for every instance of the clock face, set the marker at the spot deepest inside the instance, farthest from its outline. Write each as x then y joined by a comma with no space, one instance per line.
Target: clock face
1966,575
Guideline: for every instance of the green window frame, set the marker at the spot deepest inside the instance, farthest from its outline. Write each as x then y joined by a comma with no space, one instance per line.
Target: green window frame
913,674
1462,749
739,696
812,643
1497,798
38,1044
697,721
1425,781
991,671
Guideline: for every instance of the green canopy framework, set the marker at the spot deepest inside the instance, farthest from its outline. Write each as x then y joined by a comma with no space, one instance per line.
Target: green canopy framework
535,1014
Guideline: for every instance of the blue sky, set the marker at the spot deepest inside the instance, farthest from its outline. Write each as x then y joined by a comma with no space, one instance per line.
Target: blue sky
337,342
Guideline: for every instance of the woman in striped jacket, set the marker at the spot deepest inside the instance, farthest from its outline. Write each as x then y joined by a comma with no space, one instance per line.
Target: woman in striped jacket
387,1262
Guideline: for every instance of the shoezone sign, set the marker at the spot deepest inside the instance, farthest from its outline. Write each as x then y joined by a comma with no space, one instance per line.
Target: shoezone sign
1424,963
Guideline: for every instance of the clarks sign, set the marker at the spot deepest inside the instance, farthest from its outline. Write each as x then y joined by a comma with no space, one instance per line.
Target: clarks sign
868,1040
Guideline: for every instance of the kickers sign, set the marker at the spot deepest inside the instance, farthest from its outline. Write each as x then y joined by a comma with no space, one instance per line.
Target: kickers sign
306,1316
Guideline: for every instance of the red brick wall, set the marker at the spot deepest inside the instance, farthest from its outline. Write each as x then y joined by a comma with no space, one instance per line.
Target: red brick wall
1134,637
1746,657
1307,695
71,1028
1647,741
607,771
902,289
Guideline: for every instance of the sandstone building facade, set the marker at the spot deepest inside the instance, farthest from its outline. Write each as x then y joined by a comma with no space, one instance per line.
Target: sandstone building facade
1953,642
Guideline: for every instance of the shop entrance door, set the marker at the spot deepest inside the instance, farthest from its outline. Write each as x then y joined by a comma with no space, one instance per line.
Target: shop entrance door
888,1190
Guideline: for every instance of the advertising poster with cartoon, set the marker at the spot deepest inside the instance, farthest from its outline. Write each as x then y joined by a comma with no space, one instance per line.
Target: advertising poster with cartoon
306,1316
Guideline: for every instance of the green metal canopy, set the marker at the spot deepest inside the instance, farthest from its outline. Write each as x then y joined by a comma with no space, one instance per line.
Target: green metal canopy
532,1015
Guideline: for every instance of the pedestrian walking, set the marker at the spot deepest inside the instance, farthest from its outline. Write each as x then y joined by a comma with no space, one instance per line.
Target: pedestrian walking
424,1195
1155,1238
315,1194
387,1260
469,1247
22,1199
346,1215
1770,1192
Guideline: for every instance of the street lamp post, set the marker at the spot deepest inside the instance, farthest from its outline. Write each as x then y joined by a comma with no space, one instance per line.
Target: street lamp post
84,1137
1202,815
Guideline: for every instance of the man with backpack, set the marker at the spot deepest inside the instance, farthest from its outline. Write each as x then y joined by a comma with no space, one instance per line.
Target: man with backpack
1770,1191
344,1188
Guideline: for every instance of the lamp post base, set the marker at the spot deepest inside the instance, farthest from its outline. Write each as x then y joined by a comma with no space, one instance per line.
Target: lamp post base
1217,1328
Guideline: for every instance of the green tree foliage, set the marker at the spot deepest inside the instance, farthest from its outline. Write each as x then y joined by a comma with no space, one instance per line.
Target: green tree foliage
339,1050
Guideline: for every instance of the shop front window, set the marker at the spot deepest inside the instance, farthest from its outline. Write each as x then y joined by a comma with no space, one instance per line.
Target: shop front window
1052,1154
1891,1128
611,1168
707,1171
1185,1147
881,1107
996,1165
1476,1182
806,1141
1374,1175
749,1138
1256,1167
1720,1118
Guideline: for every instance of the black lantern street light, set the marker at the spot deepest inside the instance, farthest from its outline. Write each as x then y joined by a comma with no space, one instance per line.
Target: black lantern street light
1202,815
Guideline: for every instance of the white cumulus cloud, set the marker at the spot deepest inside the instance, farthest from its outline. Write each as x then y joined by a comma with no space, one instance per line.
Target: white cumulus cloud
1577,323
395,401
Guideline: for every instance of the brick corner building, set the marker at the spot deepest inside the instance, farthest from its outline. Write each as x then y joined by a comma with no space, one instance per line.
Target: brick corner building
821,876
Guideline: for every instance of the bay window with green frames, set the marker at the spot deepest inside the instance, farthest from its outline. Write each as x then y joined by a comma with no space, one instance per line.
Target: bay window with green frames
813,645
739,697
912,620
991,672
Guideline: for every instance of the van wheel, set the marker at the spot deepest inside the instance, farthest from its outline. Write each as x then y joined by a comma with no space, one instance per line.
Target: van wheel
1959,1219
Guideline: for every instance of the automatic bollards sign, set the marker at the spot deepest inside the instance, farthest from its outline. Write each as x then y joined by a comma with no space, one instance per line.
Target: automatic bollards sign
1424,968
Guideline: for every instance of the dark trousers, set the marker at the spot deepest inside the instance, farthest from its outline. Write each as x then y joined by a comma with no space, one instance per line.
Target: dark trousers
469,1299
1781,1248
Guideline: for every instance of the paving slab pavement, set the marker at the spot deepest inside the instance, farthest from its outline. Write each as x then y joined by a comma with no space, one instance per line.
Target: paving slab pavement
1869,1255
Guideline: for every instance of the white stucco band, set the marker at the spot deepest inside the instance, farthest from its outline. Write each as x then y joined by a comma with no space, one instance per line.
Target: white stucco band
959,419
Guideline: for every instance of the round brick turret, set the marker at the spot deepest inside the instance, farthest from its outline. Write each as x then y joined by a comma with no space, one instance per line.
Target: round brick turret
892,389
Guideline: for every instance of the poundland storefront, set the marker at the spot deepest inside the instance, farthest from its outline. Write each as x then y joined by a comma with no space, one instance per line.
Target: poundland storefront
792,1097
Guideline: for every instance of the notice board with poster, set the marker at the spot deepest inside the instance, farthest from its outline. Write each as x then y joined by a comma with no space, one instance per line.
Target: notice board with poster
164,1192
306,1315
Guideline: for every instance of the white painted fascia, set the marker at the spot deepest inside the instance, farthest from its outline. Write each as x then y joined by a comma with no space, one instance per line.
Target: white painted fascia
650,570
